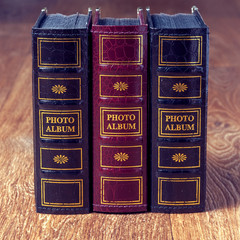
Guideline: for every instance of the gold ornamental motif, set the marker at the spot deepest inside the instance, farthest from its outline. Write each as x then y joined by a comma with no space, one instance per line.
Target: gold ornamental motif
120,86
179,157
120,157
60,159
180,87
59,89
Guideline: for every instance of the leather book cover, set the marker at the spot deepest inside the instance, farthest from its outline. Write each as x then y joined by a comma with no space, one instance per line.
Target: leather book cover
61,112
119,114
178,111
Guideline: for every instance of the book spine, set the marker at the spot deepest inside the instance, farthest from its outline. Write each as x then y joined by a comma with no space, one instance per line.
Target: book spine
119,118
179,66
60,114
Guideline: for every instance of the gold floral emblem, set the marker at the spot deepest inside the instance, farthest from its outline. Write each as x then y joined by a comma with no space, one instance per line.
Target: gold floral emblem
59,89
120,86
121,157
179,157
180,87
61,159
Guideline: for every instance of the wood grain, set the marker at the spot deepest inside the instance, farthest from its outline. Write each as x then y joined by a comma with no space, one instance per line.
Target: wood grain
18,219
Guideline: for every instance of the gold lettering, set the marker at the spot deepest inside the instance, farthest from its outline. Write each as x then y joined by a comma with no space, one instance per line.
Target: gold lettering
60,120
180,127
120,117
191,127
132,126
121,126
60,129
191,118
167,128
179,118
47,119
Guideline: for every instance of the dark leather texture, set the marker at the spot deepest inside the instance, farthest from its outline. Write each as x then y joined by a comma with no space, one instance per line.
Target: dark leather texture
61,120
119,118
178,118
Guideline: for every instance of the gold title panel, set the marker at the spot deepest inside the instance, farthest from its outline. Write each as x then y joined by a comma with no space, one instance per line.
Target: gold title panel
64,124
121,122
179,123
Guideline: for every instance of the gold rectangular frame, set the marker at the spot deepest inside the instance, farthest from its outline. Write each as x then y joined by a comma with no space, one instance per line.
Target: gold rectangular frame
62,181
109,109
104,75
106,62
199,161
60,99
56,65
133,166
198,134
159,87
124,179
193,179
78,112
60,169
179,38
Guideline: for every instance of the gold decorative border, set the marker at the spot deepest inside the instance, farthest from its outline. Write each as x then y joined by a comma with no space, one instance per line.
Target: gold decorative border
200,90
123,179
59,99
56,65
59,149
159,149
179,38
132,166
100,88
78,112
62,181
197,134
108,62
193,179
109,109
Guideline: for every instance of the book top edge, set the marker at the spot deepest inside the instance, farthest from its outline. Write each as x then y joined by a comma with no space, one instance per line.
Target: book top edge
119,22
177,21
60,21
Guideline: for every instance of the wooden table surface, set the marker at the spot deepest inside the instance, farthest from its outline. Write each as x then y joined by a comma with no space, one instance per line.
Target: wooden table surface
18,219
